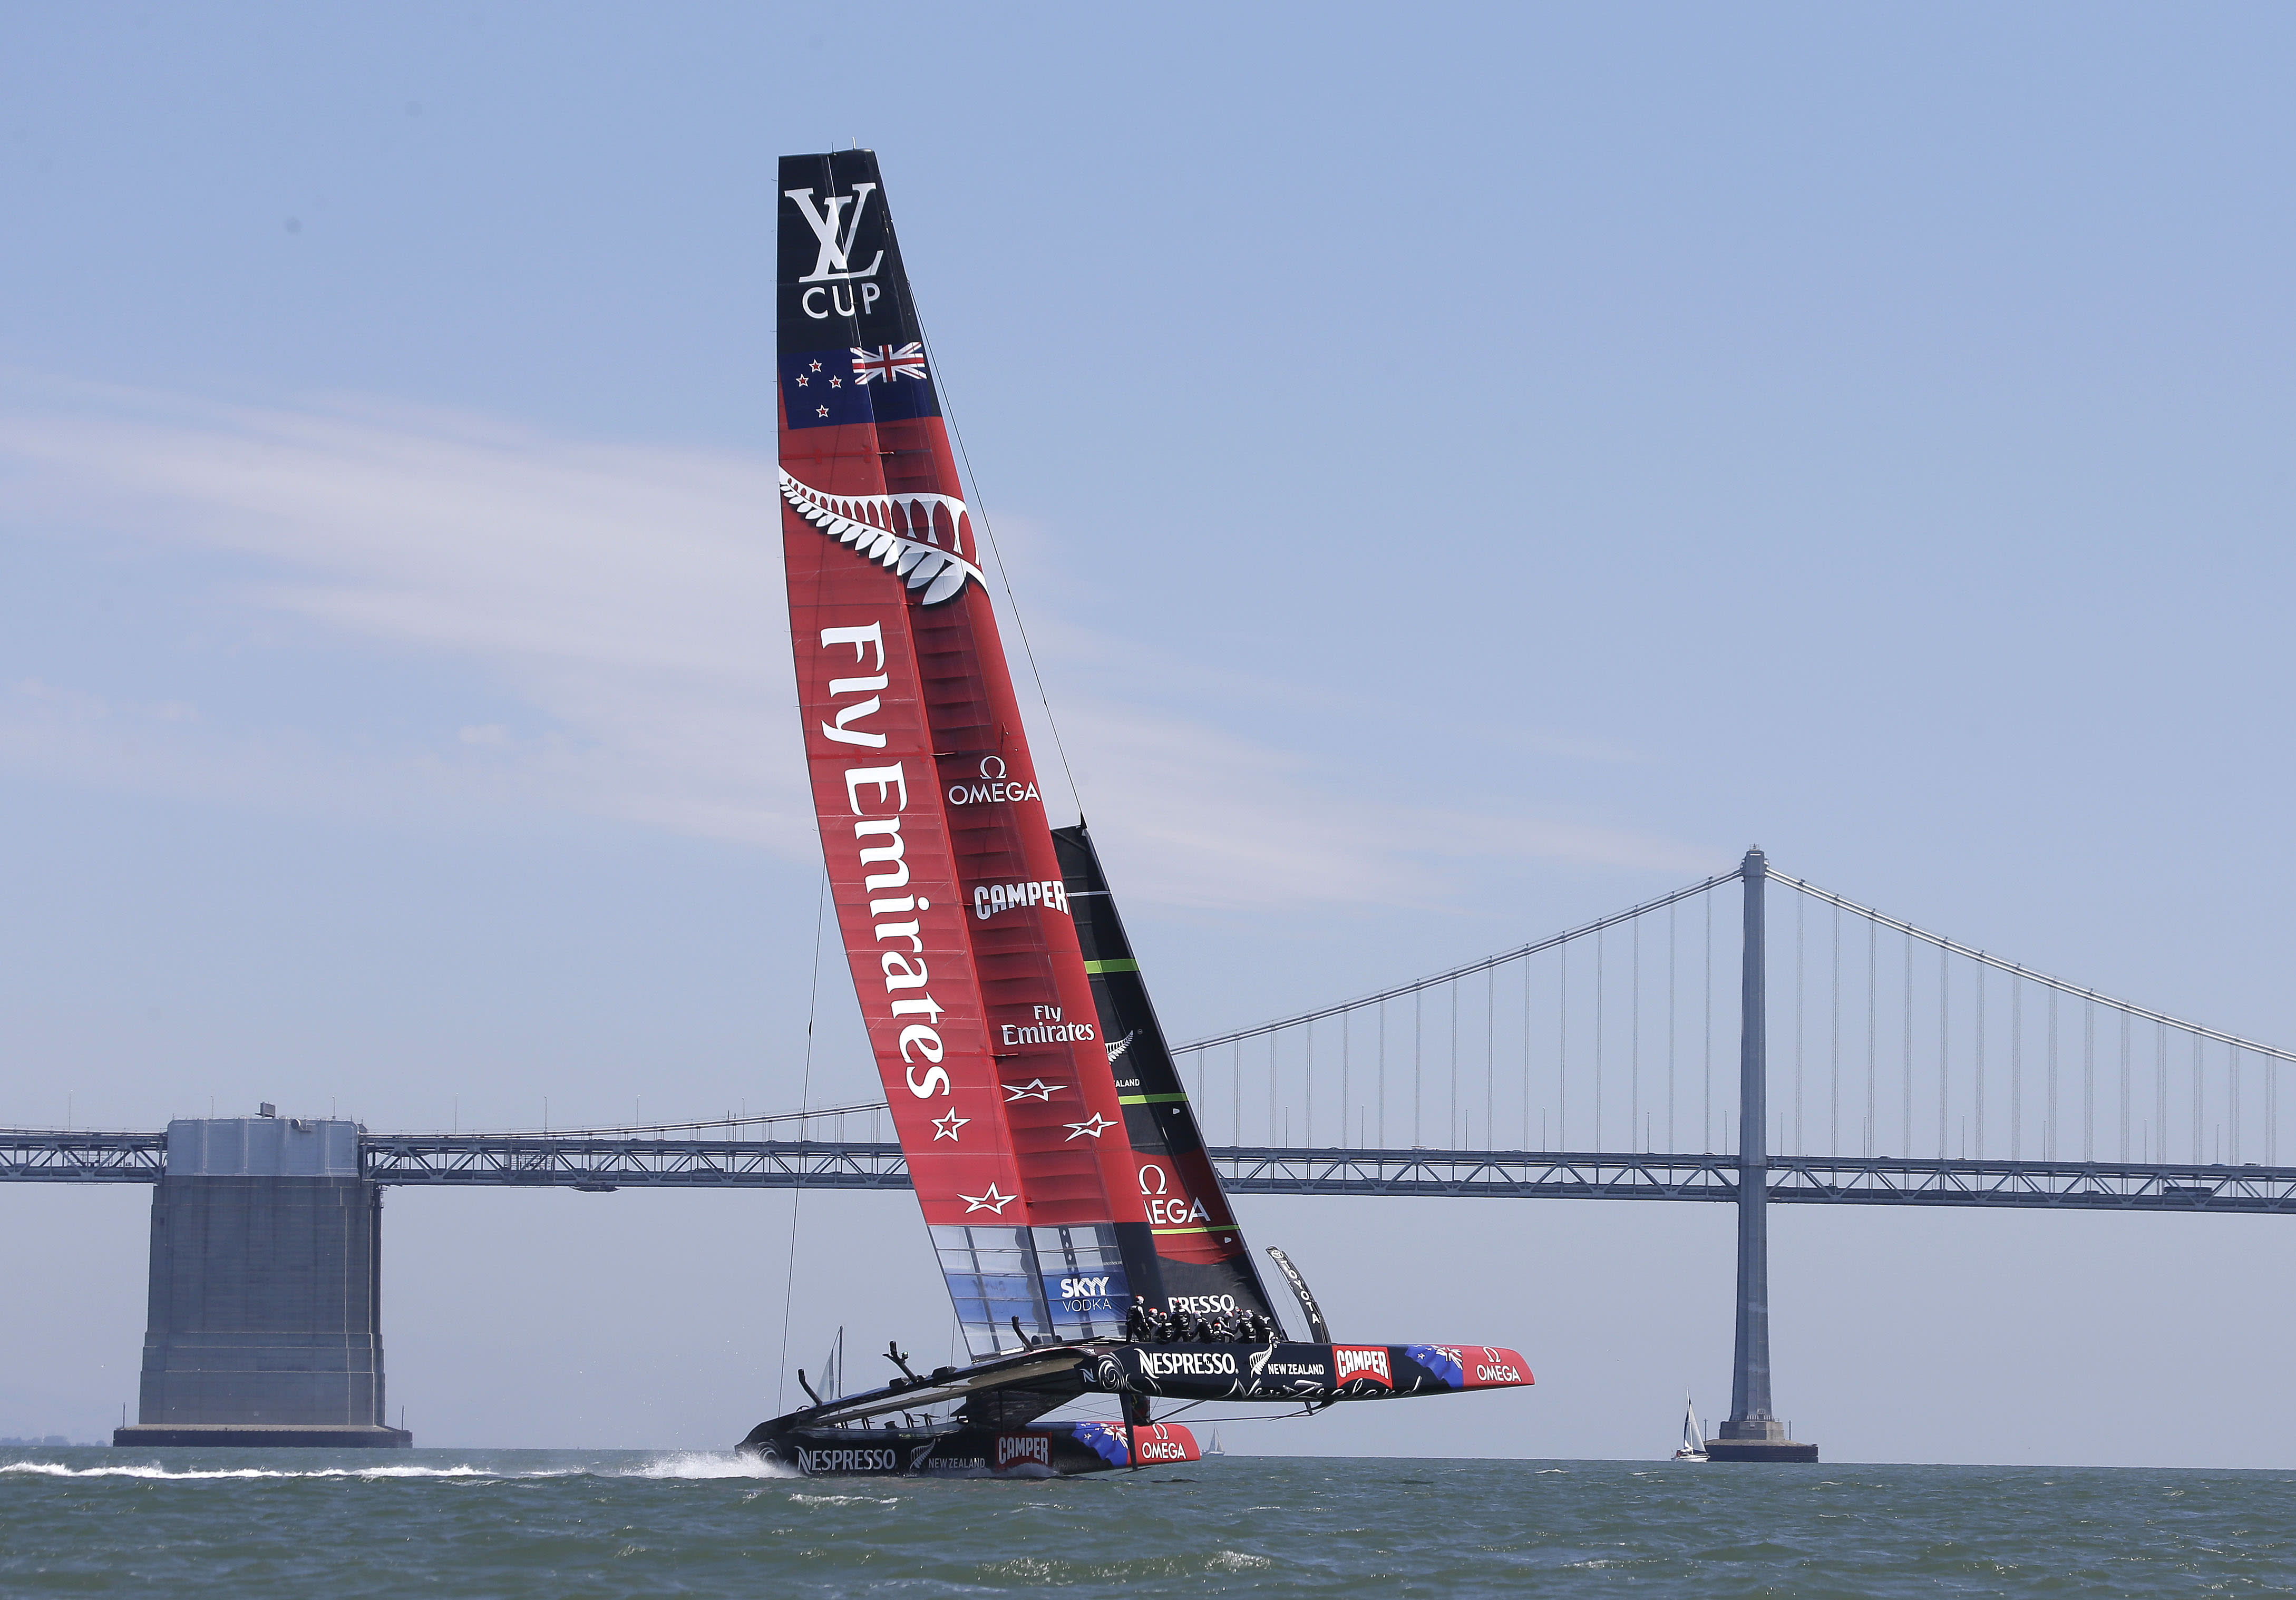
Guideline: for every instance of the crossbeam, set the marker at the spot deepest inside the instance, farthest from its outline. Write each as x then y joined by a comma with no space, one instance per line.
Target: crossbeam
533,1160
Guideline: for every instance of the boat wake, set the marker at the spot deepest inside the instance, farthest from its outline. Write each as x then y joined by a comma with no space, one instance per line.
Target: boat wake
152,1470
693,1465
706,1464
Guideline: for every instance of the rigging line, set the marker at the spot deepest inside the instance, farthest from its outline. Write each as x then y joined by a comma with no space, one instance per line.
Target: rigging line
1003,571
1537,948
797,1197
1999,965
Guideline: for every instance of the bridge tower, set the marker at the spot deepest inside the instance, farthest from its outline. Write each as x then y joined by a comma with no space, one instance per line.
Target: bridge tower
1753,1433
266,1270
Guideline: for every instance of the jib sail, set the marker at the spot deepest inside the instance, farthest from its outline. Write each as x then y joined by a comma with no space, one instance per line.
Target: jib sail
950,897
1199,1250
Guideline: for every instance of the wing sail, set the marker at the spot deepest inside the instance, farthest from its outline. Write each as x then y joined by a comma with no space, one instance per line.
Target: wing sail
950,899
1201,1255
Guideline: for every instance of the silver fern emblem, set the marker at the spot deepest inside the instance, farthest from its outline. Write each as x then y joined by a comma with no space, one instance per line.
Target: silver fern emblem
901,533
1121,1046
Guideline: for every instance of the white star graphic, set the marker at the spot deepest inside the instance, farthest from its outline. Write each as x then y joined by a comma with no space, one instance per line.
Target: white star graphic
837,383
990,1201
821,411
945,1127
802,382
816,366
1091,1130
1035,1090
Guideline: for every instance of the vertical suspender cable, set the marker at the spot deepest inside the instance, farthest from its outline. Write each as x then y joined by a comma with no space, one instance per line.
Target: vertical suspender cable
1418,1063
1634,1030
2088,1080
1978,1095
1347,1055
2016,1067
1834,1050
1706,1058
1382,1075
2124,1086
1598,1039
2232,1102
1236,1093
1671,1141
2200,1151
1307,1091
1273,1075
1945,990
1562,1047
1907,1086
2049,1121
1526,1052
2160,1146
1801,1146
1453,1135
1872,1017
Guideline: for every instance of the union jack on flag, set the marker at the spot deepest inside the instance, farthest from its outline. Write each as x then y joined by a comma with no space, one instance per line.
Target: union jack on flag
888,362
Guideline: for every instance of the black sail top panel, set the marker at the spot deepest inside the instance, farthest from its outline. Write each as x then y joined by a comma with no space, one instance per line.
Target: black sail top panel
1204,1263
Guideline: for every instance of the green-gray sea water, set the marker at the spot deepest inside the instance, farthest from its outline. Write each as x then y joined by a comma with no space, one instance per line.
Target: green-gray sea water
526,1522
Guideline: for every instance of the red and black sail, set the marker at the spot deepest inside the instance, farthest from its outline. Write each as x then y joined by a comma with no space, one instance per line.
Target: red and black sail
951,898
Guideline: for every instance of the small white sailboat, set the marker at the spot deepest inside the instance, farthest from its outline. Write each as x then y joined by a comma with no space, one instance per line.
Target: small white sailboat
1216,1448
1693,1446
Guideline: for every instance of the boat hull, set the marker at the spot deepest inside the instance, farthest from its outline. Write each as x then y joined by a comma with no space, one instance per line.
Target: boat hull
1314,1374
1056,1450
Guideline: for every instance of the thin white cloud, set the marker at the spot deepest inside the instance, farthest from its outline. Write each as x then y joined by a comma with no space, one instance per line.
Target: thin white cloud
631,596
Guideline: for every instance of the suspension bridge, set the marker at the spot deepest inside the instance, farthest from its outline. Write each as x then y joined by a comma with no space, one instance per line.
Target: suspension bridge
1911,1069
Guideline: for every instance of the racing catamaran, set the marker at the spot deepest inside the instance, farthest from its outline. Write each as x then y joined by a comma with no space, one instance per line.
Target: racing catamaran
1074,1211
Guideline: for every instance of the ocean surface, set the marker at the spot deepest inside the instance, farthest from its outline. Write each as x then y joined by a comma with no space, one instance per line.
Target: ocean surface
529,1523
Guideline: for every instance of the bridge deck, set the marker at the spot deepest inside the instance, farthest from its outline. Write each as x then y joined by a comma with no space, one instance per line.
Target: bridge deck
595,1164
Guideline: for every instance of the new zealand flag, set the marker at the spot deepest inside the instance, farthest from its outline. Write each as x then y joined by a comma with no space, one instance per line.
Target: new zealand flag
822,388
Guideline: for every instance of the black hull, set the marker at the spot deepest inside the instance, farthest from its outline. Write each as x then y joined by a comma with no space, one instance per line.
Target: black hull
1054,1451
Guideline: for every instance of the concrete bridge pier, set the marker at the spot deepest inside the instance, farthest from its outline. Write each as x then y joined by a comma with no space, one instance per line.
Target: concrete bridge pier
267,1266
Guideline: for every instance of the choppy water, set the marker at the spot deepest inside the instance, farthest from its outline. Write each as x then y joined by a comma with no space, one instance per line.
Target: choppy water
522,1522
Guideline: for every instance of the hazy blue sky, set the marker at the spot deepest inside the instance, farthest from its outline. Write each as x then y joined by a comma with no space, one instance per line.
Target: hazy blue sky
1463,470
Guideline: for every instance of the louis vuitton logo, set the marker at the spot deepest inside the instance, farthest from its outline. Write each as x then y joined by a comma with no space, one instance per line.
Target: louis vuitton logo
834,261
